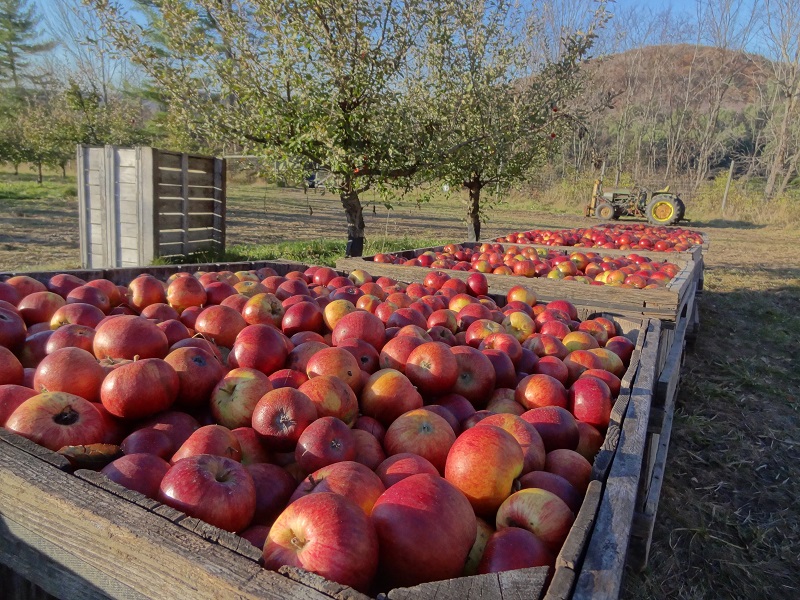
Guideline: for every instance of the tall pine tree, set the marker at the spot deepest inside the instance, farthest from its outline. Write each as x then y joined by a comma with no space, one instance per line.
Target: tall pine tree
20,40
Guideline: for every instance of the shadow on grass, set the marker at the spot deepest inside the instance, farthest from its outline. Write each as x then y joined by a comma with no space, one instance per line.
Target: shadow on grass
726,224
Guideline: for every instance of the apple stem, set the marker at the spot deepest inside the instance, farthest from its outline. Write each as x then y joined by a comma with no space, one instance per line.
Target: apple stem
297,543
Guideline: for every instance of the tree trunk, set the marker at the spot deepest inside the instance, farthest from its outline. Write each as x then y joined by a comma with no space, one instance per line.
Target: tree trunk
777,167
63,170
473,212
16,169
355,224
39,173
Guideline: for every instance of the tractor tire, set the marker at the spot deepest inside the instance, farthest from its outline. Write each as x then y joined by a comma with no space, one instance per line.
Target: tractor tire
681,209
663,210
604,211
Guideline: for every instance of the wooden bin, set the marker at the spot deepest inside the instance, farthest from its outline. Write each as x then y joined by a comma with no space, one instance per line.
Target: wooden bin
667,304
138,204
74,534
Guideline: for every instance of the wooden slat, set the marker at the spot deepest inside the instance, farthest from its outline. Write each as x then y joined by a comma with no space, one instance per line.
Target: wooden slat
168,160
176,222
195,192
175,205
195,235
195,179
16,587
204,164
75,540
522,584
188,248
602,571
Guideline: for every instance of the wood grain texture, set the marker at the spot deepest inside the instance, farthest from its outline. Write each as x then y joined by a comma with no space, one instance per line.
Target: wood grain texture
561,585
522,584
15,587
317,582
96,545
601,574
571,553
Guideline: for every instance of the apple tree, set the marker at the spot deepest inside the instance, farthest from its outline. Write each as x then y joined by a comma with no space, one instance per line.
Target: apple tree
502,102
303,83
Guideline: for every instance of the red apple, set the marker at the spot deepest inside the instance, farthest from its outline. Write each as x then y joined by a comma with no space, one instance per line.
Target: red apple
483,463
221,324
556,425
476,375
12,330
540,512
39,307
366,354
417,544
87,294
590,440
461,408
210,439
590,401
184,292
250,443
70,370
622,347
260,347
236,395
325,534
148,441
421,432
350,479
369,451
371,426
325,441
579,361
514,548
57,419
66,336
25,285
274,486
287,378
140,472
198,374
337,362
432,368
360,325
145,290
332,397
214,489
177,425
127,337
281,416
555,484
554,367
11,396
528,438
398,467
536,391
140,389
571,466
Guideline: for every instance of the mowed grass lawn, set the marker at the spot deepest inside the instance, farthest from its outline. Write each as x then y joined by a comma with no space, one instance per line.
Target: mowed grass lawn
728,524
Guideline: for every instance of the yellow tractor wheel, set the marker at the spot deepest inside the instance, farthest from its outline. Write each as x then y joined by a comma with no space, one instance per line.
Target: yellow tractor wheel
663,210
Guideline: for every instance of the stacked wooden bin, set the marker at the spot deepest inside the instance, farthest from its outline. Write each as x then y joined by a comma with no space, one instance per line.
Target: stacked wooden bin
74,534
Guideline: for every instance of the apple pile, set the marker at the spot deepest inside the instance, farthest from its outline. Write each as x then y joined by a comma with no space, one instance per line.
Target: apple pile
623,236
632,271
376,433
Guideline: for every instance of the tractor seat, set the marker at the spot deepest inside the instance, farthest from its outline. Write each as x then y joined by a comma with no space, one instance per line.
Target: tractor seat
664,191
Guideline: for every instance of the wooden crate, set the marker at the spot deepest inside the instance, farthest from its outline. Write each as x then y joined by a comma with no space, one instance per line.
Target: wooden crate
138,204
668,303
123,276
60,527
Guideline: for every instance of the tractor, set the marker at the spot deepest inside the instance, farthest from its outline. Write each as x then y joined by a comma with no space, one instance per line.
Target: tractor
659,208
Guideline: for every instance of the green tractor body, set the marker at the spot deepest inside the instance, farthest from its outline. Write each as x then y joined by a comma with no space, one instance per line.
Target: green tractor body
659,208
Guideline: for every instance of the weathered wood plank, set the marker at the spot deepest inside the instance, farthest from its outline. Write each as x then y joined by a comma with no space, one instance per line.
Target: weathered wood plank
561,585
601,574
175,205
33,449
113,547
521,584
175,178
571,553
176,221
319,583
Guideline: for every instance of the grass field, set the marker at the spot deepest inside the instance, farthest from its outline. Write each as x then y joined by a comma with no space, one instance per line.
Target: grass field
728,523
